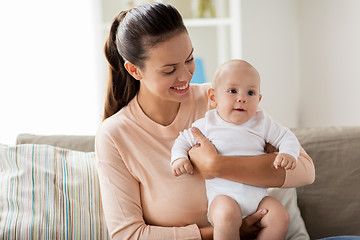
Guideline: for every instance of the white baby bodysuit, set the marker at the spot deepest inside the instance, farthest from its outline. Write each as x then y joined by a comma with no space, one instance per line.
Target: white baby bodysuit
247,139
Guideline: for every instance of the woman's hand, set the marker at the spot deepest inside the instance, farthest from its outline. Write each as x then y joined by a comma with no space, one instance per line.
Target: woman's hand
203,156
250,227
207,233
270,148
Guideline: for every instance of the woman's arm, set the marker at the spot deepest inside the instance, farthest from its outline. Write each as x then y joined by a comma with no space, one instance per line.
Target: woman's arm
303,174
120,193
253,170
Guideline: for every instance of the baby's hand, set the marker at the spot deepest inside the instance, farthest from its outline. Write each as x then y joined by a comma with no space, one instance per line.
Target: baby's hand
182,165
286,161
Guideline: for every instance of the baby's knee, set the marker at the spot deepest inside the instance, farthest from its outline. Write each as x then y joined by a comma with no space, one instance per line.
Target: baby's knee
283,217
224,209
228,216
276,212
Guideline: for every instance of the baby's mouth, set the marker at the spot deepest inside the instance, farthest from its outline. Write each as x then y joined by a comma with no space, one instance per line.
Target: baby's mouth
240,109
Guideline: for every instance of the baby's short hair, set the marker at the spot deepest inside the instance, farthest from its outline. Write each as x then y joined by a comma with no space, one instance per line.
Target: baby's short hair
219,71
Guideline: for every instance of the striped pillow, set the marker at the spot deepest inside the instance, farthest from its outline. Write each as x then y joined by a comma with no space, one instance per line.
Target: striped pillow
49,193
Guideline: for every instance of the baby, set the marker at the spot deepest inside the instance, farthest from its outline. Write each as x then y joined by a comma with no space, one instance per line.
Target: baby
237,126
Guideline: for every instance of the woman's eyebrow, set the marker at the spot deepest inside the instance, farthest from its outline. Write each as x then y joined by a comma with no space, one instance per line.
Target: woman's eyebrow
174,64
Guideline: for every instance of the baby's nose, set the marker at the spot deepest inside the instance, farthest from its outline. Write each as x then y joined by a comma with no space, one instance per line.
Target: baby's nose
241,98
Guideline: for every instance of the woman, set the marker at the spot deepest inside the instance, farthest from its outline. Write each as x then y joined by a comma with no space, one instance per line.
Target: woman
149,101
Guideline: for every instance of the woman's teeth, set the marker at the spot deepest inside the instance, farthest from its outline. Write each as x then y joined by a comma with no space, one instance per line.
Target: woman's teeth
182,87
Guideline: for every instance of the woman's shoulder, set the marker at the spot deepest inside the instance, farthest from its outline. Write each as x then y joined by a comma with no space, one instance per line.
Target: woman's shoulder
200,96
200,90
114,123
113,133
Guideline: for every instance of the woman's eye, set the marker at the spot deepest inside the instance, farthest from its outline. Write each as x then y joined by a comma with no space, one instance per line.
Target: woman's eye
190,60
170,72
232,91
251,93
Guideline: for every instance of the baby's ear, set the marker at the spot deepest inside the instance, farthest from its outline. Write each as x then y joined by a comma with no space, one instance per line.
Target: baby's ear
211,95
260,97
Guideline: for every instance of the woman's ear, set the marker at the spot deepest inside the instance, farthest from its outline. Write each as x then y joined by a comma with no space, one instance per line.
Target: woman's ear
211,95
133,70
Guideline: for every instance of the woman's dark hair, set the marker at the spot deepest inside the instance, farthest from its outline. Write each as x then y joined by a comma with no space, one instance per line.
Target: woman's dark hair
132,34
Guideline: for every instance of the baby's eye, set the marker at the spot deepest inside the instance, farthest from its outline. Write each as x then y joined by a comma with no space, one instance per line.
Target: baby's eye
251,93
232,91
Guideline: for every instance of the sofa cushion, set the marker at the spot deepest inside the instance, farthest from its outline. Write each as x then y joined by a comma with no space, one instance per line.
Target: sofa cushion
49,193
287,197
79,143
331,205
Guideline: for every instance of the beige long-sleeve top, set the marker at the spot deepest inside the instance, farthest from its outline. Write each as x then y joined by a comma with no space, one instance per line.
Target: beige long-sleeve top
141,198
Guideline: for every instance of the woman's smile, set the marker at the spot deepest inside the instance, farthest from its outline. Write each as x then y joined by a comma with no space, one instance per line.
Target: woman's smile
181,88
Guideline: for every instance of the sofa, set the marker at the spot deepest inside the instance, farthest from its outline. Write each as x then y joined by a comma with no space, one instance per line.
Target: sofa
49,187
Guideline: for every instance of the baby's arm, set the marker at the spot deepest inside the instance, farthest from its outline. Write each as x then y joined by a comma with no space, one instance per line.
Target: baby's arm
180,162
284,140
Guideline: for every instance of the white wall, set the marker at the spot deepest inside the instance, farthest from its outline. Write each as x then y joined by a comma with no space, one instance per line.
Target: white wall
307,53
49,76
330,62
270,43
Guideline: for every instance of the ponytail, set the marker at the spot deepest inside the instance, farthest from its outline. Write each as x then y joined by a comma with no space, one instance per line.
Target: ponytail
132,34
121,86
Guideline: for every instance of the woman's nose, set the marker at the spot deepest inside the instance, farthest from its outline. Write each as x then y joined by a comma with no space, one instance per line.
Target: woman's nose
186,74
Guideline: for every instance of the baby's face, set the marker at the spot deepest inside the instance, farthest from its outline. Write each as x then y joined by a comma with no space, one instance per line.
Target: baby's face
237,94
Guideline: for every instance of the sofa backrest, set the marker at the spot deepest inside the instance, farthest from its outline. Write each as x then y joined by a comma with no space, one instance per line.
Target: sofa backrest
331,205
78,143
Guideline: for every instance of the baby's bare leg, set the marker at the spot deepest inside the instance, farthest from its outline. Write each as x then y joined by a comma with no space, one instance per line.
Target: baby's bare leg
225,216
276,222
